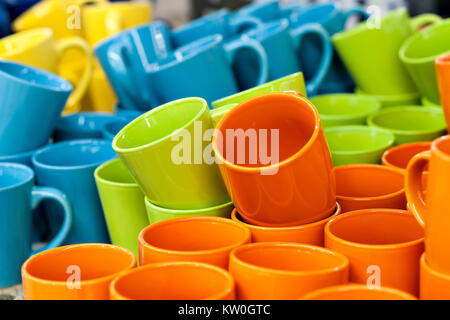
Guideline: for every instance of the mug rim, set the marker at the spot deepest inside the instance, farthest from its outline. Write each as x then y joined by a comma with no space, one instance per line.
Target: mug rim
343,264
110,182
435,147
26,274
370,167
158,109
245,238
312,139
316,7
17,166
391,98
424,264
193,211
365,212
401,148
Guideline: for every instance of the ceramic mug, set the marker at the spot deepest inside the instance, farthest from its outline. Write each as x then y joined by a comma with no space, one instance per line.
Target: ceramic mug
311,233
112,127
297,179
383,245
156,213
38,48
434,285
123,204
443,76
392,100
26,92
282,47
358,292
266,11
399,156
174,281
358,144
172,180
419,53
370,52
70,167
18,197
410,123
431,212
369,186
345,109
284,271
211,240
49,275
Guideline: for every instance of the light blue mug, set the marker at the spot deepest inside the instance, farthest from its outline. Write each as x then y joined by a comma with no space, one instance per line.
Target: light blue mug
32,100
268,11
69,166
333,19
18,197
283,47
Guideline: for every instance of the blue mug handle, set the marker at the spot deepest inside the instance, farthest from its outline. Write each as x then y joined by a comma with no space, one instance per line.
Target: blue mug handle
359,10
240,24
39,194
324,67
233,47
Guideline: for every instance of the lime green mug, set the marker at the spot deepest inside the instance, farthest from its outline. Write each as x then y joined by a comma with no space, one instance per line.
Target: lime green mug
393,100
167,153
419,53
345,109
411,123
293,82
123,204
358,144
370,52
156,213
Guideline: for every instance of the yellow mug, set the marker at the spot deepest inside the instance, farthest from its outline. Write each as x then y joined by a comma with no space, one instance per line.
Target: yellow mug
105,19
62,16
38,48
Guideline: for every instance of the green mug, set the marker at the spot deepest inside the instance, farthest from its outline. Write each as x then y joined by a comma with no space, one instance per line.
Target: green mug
219,113
345,109
293,82
358,144
370,53
410,123
156,213
123,204
427,103
386,101
166,151
419,53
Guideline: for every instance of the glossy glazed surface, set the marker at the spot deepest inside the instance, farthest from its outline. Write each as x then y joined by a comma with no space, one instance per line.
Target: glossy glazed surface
433,285
358,292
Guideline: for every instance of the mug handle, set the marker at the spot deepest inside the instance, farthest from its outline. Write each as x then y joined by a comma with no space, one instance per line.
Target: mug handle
39,194
75,42
316,29
233,47
113,22
358,10
413,183
240,24
424,19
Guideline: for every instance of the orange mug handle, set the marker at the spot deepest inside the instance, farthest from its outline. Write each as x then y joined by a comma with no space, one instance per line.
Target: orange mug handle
413,185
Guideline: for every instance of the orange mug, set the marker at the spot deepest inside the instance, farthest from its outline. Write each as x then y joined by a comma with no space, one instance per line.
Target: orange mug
311,233
196,239
432,213
433,285
174,281
75,272
284,271
358,292
383,245
398,157
367,186
443,78
275,159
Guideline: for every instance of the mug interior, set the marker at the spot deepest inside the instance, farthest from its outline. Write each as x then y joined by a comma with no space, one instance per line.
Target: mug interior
367,181
399,157
94,262
262,119
114,127
290,258
357,139
194,235
13,175
345,105
74,153
177,281
442,145
115,171
160,123
377,228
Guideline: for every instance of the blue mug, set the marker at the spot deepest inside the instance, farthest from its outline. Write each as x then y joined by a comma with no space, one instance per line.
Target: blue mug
69,166
83,125
203,68
126,113
333,20
265,11
221,22
111,128
32,100
18,197
132,52
283,47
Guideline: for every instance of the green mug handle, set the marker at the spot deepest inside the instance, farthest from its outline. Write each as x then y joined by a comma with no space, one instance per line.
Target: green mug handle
39,194
424,19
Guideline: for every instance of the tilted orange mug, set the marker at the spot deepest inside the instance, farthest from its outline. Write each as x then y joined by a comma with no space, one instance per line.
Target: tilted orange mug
432,212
